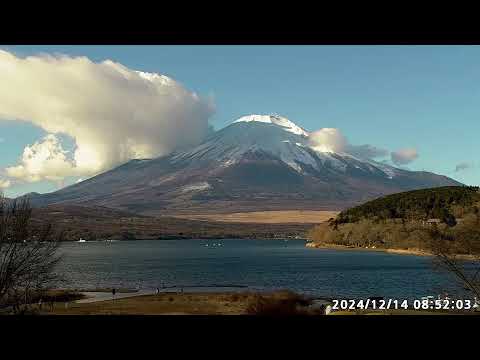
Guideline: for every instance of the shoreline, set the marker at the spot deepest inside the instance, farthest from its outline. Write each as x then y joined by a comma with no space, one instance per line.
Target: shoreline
414,251
282,238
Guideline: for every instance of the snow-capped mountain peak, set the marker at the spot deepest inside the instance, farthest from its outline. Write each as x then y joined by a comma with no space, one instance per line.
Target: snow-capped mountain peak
254,134
275,120
285,141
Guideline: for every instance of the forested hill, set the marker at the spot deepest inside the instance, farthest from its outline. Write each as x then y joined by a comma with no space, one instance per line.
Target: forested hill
440,203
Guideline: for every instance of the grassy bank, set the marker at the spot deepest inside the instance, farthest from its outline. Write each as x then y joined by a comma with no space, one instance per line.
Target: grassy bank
410,237
224,303
414,251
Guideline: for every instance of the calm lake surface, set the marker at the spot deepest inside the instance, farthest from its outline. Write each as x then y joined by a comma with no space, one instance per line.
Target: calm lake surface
256,264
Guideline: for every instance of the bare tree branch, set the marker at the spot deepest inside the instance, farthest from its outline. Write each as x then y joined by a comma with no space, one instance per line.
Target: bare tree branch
28,256
465,268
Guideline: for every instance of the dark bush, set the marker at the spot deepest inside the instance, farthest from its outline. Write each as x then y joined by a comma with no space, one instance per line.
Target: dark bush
283,304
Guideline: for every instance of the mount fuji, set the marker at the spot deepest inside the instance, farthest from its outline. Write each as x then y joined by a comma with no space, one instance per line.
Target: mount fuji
258,162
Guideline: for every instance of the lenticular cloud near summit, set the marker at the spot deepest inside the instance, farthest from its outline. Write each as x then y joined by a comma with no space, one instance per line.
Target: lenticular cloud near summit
112,113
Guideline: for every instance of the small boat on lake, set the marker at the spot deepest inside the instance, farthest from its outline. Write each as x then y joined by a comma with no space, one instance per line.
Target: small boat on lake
81,240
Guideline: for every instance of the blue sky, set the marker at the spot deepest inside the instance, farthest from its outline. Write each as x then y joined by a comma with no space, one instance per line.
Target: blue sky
423,97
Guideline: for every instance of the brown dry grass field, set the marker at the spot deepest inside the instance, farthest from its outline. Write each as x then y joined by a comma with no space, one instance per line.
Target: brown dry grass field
162,304
100,223
267,217
173,304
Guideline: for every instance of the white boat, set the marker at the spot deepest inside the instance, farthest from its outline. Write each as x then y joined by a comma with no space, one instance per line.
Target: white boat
81,240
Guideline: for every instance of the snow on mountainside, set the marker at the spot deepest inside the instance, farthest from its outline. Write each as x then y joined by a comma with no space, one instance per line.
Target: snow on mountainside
279,137
254,133
258,162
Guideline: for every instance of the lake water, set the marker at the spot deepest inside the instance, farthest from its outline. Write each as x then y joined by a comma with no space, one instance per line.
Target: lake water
252,264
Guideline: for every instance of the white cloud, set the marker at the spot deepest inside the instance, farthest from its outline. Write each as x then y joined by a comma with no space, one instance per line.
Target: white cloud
112,113
404,156
463,166
332,140
327,140
45,159
4,184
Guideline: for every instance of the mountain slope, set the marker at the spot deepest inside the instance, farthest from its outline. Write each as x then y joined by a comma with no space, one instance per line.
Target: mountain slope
259,162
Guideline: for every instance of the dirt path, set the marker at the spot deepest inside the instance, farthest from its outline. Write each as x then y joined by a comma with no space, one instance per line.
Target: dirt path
94,296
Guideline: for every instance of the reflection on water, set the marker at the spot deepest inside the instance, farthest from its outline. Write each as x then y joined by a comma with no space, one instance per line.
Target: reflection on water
252,264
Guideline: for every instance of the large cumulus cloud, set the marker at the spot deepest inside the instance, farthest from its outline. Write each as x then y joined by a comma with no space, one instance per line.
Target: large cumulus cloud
112,113
45,159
